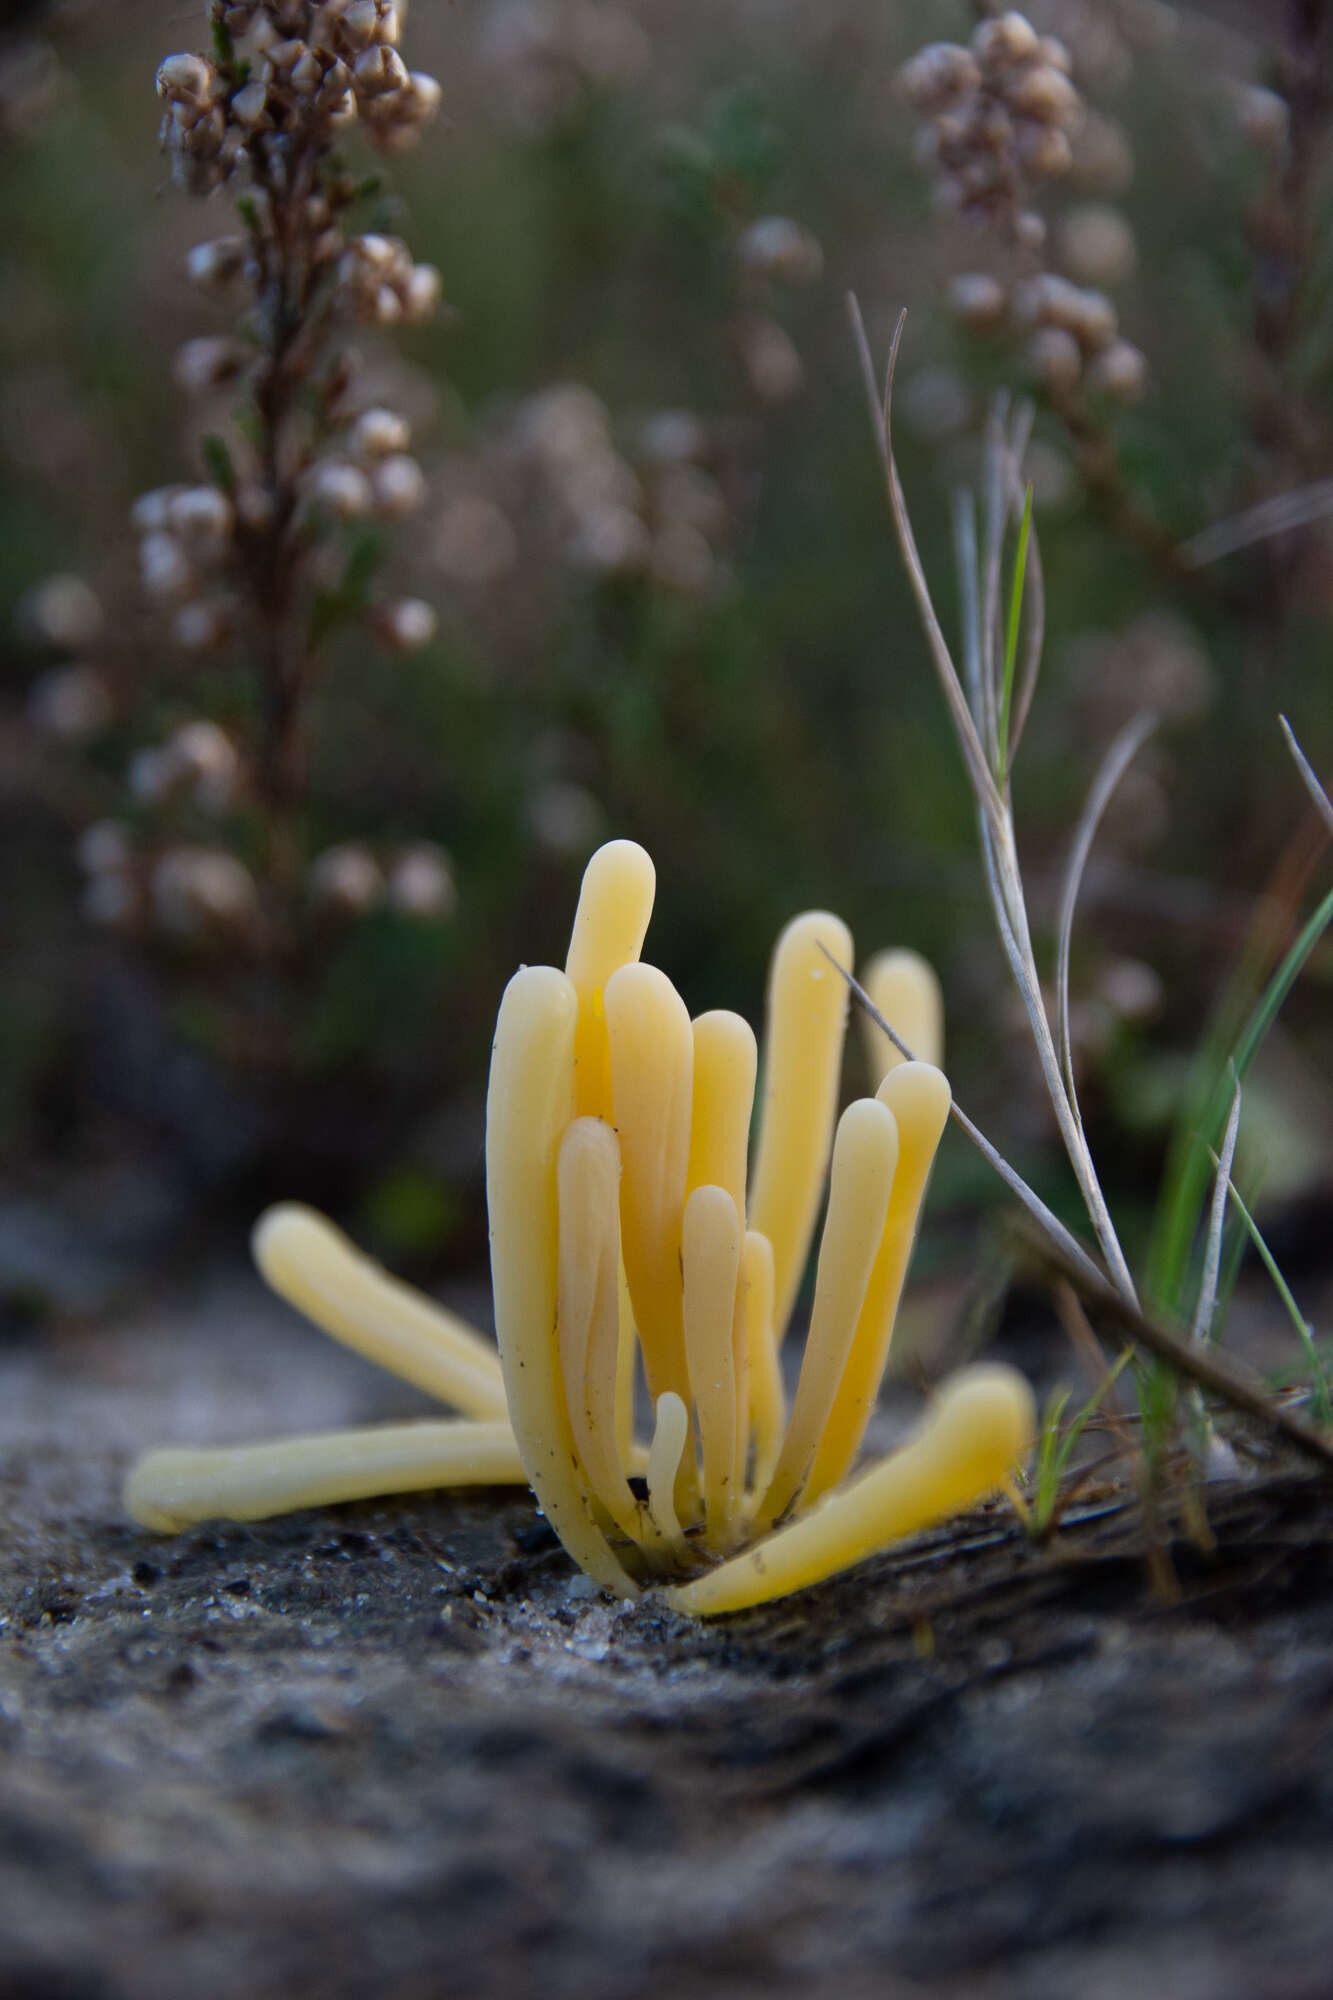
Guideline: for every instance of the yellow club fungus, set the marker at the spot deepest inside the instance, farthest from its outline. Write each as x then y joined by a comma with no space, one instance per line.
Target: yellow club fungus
630,1232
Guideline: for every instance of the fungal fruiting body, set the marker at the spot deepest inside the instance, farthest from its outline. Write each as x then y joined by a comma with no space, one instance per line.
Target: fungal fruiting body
630,1231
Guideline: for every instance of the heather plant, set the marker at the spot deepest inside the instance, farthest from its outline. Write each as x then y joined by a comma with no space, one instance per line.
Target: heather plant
1017,146
210,844
1000,119
278,547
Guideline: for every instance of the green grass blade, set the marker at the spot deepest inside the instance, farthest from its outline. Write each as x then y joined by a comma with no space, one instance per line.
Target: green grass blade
1321,1409
1011,630
1188,1165
1074,1430
1280,985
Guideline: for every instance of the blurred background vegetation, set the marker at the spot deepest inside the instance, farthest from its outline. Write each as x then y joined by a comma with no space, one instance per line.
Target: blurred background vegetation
668,602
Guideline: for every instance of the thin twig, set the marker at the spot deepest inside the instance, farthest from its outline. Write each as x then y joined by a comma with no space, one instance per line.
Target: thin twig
1210,1367
1012,1179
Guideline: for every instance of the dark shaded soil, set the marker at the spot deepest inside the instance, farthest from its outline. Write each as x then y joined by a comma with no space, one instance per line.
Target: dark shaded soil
397,1749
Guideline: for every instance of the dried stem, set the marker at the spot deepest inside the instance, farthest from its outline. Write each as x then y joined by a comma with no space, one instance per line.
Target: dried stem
1013,1180
1114,765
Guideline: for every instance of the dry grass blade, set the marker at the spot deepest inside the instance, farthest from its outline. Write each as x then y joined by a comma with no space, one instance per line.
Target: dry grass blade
1284,511
1323,804
1006,892
880,411
1217,1215
997,516
1006,446
1010,910
1114,765
997,829
965,560
1209,1367
1013,1180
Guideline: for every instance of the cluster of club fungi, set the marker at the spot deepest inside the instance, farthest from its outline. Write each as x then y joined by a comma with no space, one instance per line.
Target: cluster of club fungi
631,1232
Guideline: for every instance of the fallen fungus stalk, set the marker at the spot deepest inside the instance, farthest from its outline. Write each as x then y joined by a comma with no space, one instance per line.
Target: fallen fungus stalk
628,1230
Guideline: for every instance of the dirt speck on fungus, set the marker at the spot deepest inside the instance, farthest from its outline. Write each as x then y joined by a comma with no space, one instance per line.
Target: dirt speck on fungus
398,1749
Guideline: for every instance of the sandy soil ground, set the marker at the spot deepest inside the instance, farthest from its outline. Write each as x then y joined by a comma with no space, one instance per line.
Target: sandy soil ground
398,1750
